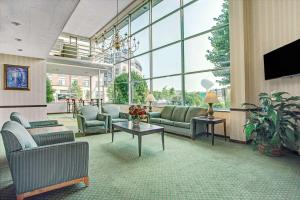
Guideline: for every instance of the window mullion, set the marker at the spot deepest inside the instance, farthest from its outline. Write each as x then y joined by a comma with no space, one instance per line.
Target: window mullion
182,52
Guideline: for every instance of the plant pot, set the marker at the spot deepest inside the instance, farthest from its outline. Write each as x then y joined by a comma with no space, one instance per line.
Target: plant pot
270,150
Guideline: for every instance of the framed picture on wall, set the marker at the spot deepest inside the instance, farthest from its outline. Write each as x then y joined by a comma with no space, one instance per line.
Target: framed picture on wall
16,77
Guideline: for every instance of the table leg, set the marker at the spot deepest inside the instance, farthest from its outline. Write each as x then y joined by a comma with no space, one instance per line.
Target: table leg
112,134
163,139
140,144
132,136
213,134
224,124
207,129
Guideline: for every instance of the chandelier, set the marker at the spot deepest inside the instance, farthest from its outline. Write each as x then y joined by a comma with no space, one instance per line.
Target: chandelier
116,42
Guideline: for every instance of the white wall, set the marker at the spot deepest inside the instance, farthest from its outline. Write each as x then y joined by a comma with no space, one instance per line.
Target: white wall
35,96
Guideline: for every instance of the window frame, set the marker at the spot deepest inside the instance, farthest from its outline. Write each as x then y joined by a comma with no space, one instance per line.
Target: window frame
182,40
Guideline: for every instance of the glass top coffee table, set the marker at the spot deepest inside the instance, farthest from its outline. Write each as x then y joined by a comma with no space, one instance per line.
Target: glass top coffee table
141,130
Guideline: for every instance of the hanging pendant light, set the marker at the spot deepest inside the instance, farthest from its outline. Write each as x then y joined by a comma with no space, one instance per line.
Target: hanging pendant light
118,42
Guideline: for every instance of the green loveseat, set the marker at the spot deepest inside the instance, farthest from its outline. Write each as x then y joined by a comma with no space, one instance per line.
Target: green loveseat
179,120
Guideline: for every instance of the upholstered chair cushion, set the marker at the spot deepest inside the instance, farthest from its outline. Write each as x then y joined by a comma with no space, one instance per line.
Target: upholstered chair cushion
182,125
112,110
179,113
167,122
167,112
16,136
89,112
195,112
17,117
155,120
92,123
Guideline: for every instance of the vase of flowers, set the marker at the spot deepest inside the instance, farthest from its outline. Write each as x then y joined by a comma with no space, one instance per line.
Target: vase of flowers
137,113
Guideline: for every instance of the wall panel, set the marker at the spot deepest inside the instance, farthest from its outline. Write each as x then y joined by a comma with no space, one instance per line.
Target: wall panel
35,96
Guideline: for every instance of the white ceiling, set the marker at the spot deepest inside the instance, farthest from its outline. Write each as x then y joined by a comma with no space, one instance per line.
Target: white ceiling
41,22
91,15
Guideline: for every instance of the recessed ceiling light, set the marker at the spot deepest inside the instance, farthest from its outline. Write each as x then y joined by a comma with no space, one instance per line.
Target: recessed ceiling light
18,39
16,23
20,49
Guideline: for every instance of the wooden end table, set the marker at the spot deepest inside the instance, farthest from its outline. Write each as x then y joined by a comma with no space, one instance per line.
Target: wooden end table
212,122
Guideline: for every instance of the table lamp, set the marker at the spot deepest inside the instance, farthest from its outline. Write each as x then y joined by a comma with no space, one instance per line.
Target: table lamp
150,98
211,98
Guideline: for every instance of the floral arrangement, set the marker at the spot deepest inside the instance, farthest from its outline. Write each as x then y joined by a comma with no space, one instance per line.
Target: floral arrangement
137,112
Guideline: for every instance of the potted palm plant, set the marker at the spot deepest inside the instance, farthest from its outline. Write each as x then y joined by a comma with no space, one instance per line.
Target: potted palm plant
273,123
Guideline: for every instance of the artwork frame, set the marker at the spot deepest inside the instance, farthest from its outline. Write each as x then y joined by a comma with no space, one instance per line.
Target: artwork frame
16,77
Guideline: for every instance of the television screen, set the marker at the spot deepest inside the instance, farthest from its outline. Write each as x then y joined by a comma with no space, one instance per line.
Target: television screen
284,61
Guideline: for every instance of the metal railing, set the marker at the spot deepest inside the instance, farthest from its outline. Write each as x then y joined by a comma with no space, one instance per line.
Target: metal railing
80,51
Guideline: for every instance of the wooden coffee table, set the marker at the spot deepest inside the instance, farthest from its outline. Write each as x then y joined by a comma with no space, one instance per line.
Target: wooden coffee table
141,130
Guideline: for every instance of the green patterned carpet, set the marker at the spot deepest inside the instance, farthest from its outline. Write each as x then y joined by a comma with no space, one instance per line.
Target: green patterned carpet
187,169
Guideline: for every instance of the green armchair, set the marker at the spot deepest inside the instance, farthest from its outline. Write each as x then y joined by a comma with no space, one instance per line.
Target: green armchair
91,121
114,115
39,166
17,117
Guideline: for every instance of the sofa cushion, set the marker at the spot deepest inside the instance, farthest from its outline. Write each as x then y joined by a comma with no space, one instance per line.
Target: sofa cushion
179,113
17,117
194,112
119,120
155,120
111,110
167,122
21,135
92,123
182,125
89,112
167,111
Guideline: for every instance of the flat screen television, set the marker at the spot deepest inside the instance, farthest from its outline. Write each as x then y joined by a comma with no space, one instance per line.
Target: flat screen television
284,61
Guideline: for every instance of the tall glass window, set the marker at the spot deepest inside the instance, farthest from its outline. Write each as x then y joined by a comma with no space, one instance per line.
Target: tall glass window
183,52
163,7
167,91
143,39
140,18
166,30
200,16
167,61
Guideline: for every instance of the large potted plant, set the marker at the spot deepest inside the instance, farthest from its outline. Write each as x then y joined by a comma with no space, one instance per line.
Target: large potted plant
273,123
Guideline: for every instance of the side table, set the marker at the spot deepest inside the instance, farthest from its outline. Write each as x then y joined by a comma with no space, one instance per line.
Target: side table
211,122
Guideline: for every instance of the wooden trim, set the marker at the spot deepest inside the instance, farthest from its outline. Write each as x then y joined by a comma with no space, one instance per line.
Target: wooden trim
53,113
237,141
85,180
23,106
239,109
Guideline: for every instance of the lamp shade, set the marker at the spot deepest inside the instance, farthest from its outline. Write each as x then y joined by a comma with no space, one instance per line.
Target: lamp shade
211,97
150,98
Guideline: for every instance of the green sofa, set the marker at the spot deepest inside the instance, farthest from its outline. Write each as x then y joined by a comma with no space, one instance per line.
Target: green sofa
36,164
17,117
179,120
91,121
